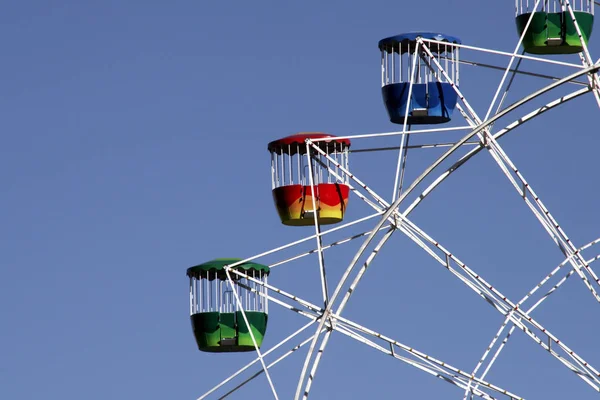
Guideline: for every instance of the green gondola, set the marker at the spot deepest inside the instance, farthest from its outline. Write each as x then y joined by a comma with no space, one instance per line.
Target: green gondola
552,29
217,319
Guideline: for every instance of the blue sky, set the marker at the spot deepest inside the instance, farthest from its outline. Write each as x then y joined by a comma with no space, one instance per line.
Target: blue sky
134,146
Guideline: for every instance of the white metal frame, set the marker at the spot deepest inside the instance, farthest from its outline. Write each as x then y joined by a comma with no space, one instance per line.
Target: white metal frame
393,216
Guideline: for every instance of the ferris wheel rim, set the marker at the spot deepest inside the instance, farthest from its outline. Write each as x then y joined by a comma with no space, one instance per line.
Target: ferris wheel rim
503,132
326,324
480,127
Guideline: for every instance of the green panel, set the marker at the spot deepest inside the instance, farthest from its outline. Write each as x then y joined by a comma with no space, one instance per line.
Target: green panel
206,329
258,323
536,34
210,328
546,26
219,264
227,321
586,24
554,25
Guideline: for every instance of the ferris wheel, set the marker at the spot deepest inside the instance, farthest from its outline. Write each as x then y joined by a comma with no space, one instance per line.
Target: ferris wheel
316,183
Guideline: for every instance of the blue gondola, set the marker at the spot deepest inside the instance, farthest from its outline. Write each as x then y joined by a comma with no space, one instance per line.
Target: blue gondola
433,97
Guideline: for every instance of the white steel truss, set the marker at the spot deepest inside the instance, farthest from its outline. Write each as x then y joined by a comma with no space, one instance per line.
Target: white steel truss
393,216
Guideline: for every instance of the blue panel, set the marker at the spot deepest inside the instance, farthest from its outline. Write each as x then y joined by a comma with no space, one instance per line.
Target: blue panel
419,97
438,98
412,38
395,98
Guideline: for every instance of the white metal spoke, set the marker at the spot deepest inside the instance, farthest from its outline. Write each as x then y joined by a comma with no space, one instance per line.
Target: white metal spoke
585,56
360,274
251,363
557,231
337,291
305,239
400,133
517,71
317,228
508,86
499,299
311,313
324,165
505,163
512,59
593,80
458,376
262,361
328,246
480,127
420,233
430,369
504,53
259,372
340,308
414,146
308,305
363,269
482,288
404,124
519,304
313,370
497,135
494,118
402,151
566,246
506,305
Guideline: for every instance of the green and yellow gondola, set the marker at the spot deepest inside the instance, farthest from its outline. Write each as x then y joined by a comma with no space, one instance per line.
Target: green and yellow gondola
226,317
553,28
